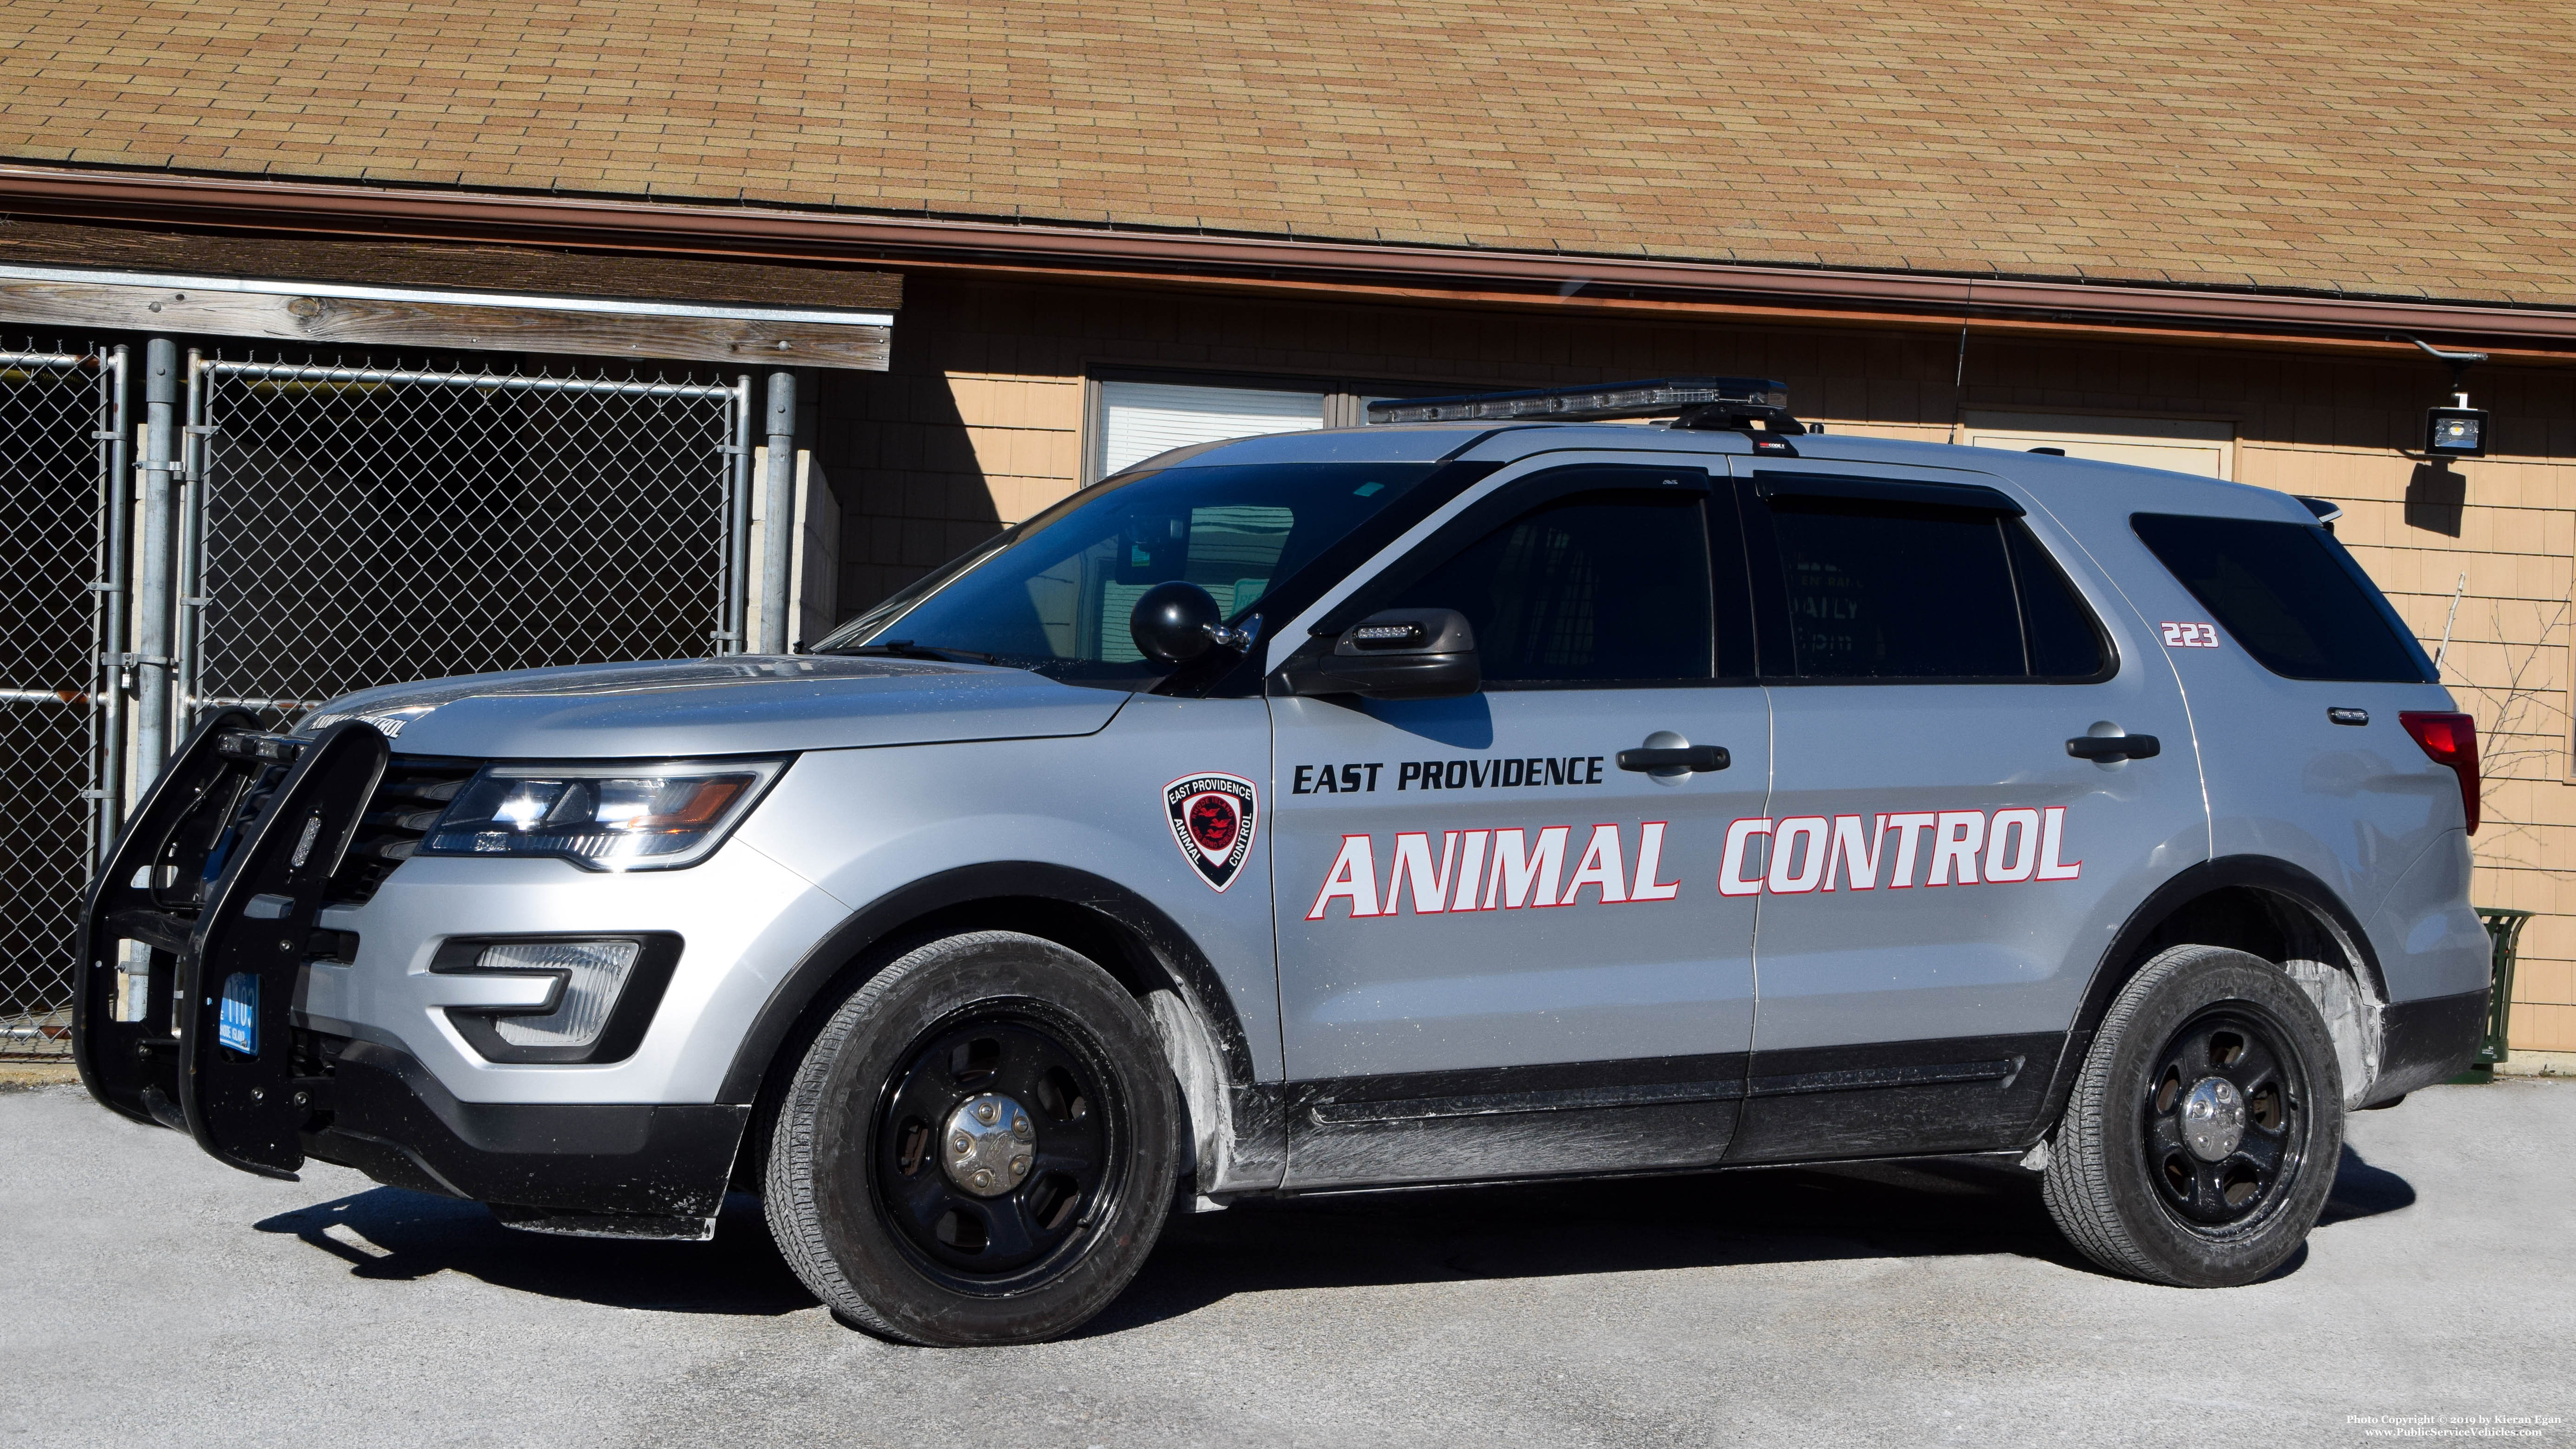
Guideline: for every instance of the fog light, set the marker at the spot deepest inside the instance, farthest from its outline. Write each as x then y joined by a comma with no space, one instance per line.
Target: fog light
593,972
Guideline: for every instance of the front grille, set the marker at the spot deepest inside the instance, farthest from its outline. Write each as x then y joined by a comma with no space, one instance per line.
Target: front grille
405,805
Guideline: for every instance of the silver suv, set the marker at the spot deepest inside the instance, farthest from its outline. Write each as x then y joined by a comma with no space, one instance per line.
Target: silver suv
1496,791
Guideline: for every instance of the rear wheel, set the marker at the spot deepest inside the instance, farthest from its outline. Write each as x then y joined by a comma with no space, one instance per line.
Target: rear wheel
2202,1138
979,1147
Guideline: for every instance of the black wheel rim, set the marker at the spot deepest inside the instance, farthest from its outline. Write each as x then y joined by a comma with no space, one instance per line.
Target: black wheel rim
2226,1049
1013,1235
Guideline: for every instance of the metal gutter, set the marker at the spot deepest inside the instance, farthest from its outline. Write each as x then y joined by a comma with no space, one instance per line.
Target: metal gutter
745,231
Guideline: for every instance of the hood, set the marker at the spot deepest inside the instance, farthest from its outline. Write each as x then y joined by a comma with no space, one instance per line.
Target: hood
745,704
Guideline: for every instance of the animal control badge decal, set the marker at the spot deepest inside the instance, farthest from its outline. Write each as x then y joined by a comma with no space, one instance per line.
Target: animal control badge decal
1213,819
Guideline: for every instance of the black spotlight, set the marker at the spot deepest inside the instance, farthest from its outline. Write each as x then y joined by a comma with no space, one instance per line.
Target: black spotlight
2459,432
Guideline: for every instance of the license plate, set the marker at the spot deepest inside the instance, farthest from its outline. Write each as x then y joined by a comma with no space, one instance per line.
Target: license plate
237,1023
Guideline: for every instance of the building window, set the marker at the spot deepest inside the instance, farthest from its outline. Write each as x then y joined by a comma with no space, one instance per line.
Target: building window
1140,419
2177,445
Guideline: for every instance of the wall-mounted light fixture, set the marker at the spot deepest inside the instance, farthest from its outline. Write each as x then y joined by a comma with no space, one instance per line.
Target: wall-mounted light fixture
2457,431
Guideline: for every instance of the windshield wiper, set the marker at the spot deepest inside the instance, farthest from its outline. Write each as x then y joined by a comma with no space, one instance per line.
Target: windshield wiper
906,649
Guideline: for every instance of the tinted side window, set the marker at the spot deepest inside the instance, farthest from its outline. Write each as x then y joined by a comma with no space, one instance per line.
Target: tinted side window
1596,587
2064,643
1892,592
2290,594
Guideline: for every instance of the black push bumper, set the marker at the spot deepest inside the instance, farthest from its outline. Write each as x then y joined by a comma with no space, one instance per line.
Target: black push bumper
221,877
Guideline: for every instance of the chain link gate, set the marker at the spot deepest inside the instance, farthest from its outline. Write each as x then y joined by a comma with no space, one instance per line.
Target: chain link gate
63,456
350,527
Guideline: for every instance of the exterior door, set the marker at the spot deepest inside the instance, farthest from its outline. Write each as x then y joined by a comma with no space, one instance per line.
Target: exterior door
1938,874
1500,952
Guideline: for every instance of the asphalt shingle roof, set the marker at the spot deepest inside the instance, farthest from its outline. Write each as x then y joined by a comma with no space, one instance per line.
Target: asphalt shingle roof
2360,147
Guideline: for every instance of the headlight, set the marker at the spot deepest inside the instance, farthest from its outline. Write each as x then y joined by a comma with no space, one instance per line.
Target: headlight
601,817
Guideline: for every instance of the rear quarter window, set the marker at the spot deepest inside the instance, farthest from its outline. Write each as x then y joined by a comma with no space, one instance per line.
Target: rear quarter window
2290,595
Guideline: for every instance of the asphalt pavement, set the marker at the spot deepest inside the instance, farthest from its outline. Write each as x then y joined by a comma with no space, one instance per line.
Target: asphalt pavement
154,1297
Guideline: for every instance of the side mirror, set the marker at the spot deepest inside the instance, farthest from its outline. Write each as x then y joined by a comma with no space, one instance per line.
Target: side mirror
1396,654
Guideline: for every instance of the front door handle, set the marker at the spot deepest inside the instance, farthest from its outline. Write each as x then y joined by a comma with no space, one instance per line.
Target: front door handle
1688,757
2103,748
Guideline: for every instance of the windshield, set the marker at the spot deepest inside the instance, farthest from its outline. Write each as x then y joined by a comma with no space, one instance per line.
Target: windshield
1054,594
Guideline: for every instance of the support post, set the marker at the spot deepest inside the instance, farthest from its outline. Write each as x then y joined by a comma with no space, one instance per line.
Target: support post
778,528
738,485
158,567
116,600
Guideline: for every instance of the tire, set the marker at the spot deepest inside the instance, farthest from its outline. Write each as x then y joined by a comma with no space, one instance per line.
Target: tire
962,1043
2132,1180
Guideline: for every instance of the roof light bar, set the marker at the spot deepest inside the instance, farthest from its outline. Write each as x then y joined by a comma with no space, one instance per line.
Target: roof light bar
1651,398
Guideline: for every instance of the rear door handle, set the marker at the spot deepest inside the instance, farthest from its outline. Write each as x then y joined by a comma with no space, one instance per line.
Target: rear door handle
2099,748
1688,757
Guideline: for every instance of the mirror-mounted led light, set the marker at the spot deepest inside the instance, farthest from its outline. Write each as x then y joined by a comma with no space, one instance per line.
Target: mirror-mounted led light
2456,432
1650,398
602,817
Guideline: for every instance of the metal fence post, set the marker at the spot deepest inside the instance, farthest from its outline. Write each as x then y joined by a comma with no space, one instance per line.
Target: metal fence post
115,588
159,564
737,562
778,547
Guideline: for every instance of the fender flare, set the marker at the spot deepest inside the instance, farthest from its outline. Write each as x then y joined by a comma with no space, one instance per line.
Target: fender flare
1187,968
2253,872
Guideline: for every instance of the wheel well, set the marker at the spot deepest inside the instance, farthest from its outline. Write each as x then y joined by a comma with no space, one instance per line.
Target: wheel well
2276,927
1113,945
2256,904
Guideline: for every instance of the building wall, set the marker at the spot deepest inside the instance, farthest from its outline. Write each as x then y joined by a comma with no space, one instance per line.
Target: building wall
980,423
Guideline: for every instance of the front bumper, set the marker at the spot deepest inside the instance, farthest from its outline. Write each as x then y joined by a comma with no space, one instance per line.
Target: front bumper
273,1025
624,1170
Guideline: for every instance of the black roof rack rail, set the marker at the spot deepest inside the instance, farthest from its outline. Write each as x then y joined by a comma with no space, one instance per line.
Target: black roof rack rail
1736,404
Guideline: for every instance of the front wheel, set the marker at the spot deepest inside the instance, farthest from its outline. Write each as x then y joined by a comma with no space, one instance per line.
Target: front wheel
979,1148
2202,1138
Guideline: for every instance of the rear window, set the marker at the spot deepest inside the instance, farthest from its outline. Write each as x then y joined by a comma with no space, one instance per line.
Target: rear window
1886,592
2290,595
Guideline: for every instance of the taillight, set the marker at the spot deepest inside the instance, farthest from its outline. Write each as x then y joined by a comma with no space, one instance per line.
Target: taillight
2449,739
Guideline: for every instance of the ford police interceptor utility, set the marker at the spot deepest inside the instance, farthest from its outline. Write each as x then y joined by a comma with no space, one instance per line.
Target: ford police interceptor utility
1490,792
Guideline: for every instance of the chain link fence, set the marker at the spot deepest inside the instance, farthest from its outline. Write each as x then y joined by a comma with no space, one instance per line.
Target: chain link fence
339,527
60,452
349,527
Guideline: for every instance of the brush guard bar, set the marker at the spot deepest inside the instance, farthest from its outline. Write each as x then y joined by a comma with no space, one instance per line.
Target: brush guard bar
220,877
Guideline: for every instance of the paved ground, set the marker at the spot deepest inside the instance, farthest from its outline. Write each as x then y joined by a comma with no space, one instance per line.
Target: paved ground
153,1297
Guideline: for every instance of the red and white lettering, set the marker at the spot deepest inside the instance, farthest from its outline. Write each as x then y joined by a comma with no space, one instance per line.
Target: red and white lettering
1730,871
2012,845
1413,858
1471,869
1353,878
1487,870
1798,855
1908,827
2052,846
1604,867
1955,841
1520,874
1650,863
1845,858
